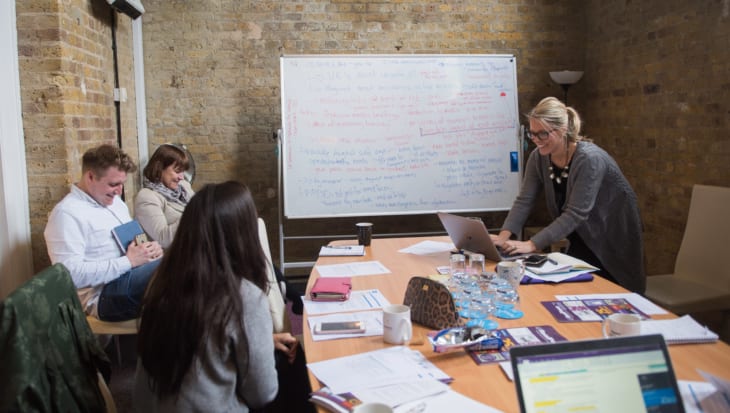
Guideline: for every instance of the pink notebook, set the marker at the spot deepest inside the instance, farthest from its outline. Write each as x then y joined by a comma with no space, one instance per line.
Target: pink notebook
331,289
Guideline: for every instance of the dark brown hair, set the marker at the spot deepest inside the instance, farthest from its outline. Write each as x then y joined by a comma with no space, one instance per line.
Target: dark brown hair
195,292
101,158
166,154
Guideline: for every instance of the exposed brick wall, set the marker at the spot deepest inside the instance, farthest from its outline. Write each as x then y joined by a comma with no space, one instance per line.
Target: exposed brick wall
656,95
212,76
67,81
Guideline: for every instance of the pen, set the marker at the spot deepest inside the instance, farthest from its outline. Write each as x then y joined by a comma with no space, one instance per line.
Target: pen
340,247
694,396
552,261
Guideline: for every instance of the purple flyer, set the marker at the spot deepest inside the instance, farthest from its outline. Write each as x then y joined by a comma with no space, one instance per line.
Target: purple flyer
589,310
518,336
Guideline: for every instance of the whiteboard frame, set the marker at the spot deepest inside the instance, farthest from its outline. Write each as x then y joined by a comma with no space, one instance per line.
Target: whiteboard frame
518,144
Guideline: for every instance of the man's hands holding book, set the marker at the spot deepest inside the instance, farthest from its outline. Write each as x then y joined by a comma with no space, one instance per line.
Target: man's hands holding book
140,253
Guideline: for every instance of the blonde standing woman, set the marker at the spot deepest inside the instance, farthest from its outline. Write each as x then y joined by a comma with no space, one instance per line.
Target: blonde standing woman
588,198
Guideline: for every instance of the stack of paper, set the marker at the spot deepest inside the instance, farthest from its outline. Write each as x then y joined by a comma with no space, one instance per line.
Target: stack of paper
575,263
679,330
397,376
341,250
393,375
550,268
560,267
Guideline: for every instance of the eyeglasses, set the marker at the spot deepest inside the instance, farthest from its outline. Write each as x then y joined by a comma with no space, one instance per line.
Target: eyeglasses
541,135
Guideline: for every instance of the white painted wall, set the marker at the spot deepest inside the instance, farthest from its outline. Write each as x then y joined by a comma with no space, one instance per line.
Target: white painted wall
16,264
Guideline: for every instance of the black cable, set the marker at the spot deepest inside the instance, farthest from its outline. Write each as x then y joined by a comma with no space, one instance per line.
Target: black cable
117,102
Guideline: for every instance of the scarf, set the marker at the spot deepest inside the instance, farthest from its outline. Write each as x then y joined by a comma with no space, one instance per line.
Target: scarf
178,196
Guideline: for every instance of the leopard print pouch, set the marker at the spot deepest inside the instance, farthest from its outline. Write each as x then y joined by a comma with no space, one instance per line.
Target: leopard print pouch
431,304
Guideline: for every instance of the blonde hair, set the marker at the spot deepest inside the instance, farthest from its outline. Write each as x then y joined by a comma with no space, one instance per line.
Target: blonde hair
553,112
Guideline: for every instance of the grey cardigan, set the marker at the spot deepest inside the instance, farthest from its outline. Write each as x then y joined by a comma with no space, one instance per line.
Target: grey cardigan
242,376
599,205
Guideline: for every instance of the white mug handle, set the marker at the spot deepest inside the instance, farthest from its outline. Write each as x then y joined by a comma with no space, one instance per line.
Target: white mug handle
405,330
603,326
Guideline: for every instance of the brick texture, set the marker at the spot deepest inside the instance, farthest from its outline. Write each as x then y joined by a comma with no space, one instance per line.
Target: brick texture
654,93
67,81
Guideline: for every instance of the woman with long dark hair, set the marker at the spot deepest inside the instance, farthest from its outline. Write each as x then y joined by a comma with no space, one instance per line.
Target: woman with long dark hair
204,341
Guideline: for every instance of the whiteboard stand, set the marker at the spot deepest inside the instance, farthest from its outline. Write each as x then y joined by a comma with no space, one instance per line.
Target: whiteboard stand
369,135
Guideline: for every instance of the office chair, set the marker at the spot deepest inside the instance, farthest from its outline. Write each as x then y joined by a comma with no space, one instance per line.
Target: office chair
701,278
50,358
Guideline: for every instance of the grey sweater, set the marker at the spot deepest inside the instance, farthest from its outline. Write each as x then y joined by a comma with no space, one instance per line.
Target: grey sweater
599,205
243,376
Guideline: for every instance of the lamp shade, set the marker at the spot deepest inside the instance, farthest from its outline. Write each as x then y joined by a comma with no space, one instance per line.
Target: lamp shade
566,77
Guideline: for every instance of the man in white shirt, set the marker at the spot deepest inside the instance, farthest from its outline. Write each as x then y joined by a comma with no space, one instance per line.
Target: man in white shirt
78,234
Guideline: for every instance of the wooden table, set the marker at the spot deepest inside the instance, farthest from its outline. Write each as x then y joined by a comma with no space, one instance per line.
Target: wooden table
486,383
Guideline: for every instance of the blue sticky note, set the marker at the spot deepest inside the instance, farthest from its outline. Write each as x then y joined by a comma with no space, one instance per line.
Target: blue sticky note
514,162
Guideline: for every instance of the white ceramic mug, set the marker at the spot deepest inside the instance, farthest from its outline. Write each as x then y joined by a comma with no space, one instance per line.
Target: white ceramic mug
372,408
512,271
397,327
621,325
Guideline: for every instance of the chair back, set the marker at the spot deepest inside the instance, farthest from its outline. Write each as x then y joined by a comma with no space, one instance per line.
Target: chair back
703,253
279,315
50,358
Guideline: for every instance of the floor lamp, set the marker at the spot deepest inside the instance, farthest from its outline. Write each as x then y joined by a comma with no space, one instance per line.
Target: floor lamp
566,79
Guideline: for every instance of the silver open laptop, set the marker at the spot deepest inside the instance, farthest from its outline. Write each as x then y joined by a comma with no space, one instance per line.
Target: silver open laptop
472,235
624,374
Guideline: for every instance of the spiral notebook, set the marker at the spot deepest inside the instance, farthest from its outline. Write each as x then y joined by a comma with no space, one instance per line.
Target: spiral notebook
680,330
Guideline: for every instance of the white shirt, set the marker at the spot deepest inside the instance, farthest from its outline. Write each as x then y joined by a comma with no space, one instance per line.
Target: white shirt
79,236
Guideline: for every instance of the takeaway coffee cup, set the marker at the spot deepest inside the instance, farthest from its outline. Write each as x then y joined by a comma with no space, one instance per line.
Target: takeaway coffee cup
621,325
397,327
364,233
372,408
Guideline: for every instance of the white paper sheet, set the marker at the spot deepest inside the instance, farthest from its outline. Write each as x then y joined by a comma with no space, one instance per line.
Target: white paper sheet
400,393
702,397
557,277
641,303
550,268
506,367
449,401
375,368
341,250
360,300
722,400
352,269
428,247
372,320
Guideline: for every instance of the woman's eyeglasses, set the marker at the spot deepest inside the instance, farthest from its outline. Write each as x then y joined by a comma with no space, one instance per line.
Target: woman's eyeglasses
541,135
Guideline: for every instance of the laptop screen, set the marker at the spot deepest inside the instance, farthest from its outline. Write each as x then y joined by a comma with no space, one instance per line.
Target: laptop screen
631,374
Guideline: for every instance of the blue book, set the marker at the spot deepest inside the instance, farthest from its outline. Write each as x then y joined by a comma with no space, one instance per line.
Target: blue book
126,233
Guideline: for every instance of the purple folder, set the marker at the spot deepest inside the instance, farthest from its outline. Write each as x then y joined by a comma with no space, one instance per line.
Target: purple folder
586,276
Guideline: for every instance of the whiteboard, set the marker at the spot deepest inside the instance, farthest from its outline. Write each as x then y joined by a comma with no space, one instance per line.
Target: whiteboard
391,134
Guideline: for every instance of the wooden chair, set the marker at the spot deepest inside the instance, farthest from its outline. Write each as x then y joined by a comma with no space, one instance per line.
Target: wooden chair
113,328
49,356
701,278
111,407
